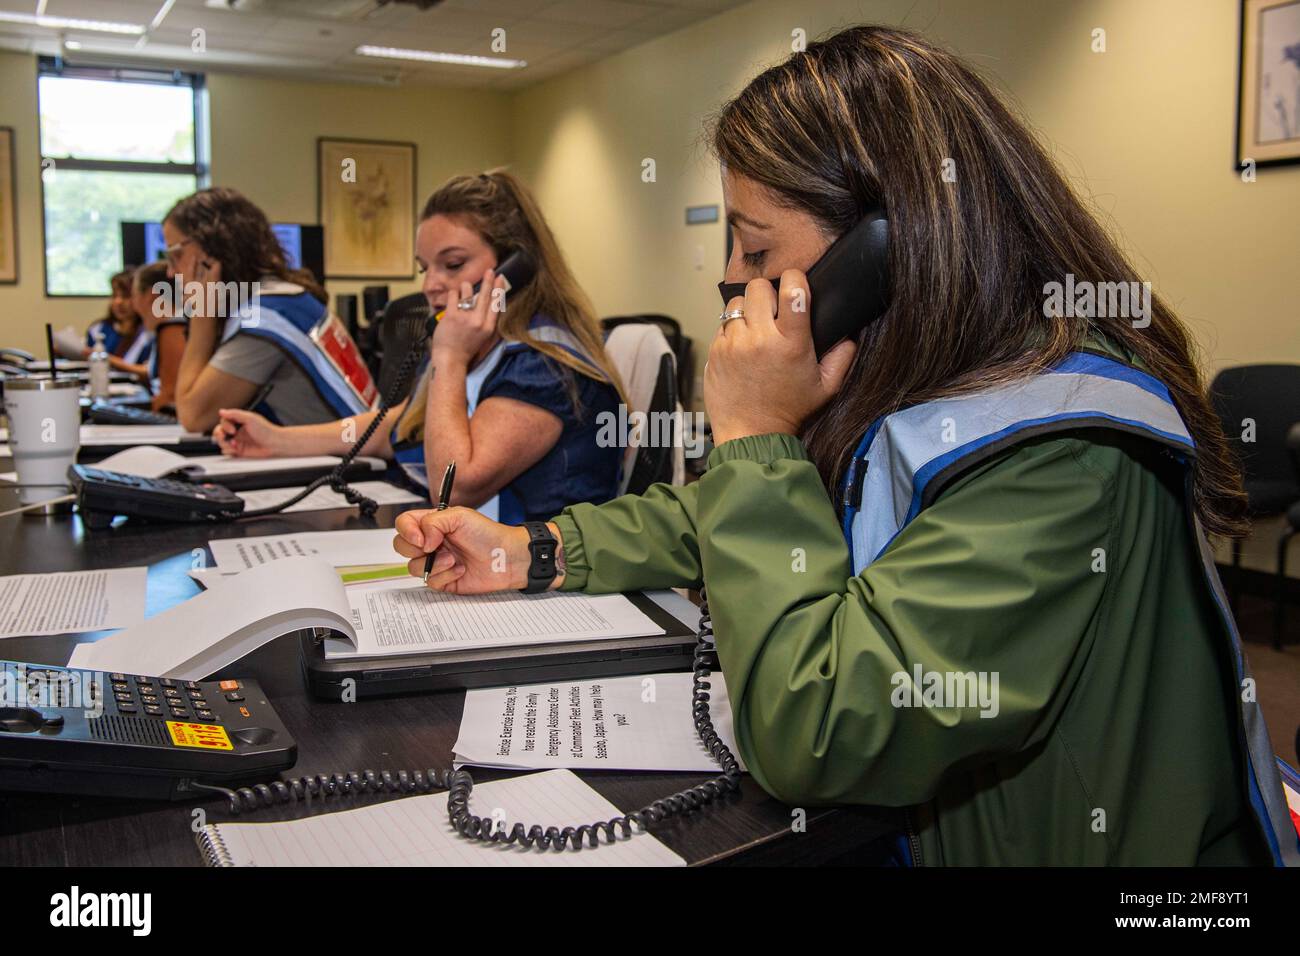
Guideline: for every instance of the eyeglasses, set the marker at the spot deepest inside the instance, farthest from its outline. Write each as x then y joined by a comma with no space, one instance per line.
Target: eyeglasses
173,253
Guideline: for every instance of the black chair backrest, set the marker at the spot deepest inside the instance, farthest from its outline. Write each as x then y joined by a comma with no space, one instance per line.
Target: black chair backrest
345,307
374,299
401,328
1269,397
679,343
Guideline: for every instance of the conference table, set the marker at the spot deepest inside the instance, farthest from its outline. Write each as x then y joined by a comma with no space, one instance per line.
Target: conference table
399,732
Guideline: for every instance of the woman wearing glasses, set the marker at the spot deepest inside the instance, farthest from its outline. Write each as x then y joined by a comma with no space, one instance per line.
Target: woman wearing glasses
258,331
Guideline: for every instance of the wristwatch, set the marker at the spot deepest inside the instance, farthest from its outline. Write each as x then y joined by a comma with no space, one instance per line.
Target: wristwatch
542,548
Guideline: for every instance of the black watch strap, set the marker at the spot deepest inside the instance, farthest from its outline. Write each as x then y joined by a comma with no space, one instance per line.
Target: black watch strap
541,548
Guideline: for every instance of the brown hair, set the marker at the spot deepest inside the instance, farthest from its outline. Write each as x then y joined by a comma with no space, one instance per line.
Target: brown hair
870,117
120,284
236,233
146,277
499,208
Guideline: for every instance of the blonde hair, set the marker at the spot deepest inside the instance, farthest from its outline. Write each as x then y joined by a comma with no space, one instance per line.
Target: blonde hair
499,208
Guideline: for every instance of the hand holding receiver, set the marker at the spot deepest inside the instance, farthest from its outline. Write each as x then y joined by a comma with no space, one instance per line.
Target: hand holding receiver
762,375
469,321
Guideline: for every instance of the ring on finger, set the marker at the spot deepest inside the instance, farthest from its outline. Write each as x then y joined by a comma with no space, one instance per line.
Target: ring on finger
726,317
466,305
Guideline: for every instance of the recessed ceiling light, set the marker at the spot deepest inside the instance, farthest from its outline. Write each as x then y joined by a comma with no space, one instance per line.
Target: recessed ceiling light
67,23
72,44
429,56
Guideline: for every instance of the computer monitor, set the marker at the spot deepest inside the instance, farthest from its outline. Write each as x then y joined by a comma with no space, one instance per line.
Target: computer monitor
303,245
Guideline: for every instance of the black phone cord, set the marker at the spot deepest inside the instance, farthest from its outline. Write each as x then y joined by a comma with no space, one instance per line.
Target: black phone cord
460,784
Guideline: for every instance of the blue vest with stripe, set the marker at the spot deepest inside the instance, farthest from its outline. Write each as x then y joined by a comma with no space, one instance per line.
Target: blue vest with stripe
907,458
287,320
504,506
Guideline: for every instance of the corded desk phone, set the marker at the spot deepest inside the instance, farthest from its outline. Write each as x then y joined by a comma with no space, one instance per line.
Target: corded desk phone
66,730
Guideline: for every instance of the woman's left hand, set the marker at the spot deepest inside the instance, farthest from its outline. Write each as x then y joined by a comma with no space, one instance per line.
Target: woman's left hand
462,333
762,375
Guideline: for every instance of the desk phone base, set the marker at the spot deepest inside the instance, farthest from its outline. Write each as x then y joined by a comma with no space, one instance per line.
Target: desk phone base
64,730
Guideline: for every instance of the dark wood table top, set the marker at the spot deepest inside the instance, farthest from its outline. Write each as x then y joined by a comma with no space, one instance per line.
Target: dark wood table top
409,732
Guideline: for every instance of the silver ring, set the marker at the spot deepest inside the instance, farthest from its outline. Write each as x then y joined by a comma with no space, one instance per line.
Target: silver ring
465,306
726,317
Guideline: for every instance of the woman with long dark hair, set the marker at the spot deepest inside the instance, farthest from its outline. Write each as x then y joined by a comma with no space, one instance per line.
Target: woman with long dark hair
258,330
958,565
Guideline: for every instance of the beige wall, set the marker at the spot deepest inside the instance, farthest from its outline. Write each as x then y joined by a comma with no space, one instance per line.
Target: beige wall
263,135
1145,130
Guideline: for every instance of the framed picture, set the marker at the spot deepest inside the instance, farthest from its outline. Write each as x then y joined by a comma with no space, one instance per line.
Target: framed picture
366,203
1268,88
8,209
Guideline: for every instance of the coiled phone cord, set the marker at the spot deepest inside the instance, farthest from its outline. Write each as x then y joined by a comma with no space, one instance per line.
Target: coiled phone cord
460,784
368,506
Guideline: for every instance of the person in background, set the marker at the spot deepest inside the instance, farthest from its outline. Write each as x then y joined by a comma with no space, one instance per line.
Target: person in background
956,564
127,340
152,300
259,332
513,397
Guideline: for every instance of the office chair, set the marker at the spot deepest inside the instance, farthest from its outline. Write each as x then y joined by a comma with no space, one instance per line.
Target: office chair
374,299
1290,531
400,328
1268,395
648,368
345,307
679,343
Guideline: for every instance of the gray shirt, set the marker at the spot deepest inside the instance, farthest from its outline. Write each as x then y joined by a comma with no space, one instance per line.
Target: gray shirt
293,398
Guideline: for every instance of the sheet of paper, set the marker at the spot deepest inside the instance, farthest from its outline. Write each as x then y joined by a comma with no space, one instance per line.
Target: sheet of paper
225,623
66,602
146,461
349,575
134,435
325,499
127,435
414,831
215,466
404,617
338,548
610,723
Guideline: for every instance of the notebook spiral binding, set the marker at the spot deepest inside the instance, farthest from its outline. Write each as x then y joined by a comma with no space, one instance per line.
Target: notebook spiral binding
459,784
213,847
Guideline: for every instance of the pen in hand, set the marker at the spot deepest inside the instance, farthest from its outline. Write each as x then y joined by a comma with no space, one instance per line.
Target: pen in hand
444,499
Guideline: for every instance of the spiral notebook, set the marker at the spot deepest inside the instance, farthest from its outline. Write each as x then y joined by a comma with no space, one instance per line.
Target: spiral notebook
414,831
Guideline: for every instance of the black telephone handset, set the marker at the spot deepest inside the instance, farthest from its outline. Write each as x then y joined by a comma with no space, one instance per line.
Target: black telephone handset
518,269
848,285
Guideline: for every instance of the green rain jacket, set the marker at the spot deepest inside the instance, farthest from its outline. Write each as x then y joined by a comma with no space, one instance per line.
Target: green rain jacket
1113,740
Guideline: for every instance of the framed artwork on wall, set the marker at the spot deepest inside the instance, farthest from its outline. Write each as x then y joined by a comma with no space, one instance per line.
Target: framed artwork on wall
366,203
8,208
1268,86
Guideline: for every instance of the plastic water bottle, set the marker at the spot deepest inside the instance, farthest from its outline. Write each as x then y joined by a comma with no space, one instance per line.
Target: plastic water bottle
99,367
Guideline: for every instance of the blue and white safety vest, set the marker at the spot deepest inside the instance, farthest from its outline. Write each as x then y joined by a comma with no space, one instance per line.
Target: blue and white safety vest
303,328
907,459
503,506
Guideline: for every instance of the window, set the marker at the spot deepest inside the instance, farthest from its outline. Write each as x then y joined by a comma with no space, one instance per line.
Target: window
116,145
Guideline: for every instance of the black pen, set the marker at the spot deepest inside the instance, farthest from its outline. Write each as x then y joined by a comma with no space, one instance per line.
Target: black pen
444,499
258,399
